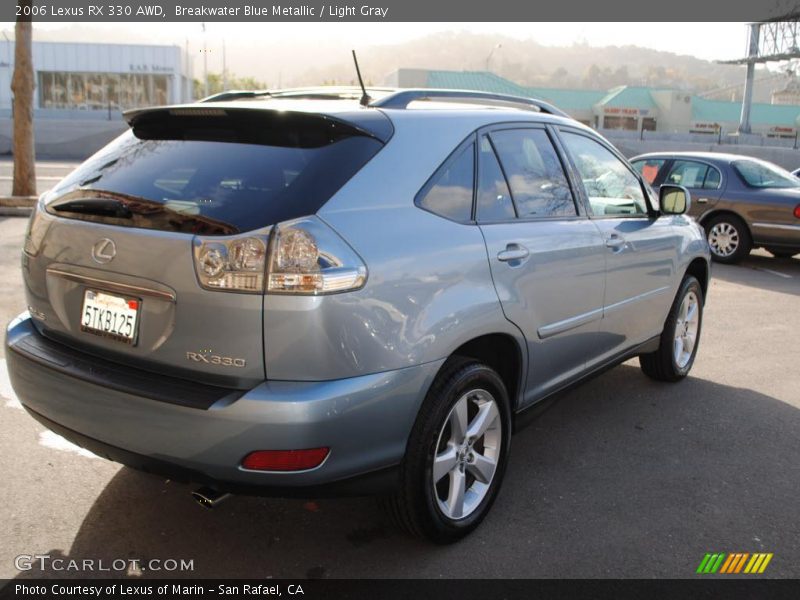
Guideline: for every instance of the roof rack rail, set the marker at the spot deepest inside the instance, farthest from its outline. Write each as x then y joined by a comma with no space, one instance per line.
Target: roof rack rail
307,93
402,98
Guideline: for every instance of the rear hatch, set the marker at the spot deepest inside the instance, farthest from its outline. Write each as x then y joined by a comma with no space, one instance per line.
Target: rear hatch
110,261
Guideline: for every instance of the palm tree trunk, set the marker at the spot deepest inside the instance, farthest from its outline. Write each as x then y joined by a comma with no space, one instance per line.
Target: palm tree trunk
22,86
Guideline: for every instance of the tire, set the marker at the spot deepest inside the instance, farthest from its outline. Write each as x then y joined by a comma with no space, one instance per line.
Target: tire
669,362
728,238
429,510
783,252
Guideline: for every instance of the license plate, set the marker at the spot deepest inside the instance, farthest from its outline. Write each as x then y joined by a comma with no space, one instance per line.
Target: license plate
111,316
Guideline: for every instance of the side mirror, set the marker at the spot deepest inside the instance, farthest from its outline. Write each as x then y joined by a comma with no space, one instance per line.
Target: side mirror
674,199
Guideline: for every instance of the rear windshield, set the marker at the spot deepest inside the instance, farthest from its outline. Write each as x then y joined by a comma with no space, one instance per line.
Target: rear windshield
215,176
762,175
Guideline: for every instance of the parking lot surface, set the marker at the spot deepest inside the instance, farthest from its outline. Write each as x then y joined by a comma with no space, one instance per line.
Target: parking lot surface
622,477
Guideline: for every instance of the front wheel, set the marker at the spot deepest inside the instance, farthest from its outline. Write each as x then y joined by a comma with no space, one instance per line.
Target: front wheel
681,336
456,454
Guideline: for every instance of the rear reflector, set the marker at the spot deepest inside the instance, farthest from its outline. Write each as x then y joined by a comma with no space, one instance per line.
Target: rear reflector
797,211
285,460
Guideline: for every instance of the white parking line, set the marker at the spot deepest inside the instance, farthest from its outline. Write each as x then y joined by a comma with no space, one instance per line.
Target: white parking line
48,439
6,391
778,273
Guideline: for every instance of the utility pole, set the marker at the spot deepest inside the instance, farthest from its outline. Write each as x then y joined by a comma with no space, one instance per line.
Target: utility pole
22,86
747,99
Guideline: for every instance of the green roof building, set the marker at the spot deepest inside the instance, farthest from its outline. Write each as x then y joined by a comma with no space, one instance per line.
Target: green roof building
626,107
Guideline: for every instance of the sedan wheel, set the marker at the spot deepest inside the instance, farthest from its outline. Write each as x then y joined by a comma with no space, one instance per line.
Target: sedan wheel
728,238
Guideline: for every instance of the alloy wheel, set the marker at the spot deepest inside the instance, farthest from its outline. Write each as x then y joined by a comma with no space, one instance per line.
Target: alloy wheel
467,454
686,327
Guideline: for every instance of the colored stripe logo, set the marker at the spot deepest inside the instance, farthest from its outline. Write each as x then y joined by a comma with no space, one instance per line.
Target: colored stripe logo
734,563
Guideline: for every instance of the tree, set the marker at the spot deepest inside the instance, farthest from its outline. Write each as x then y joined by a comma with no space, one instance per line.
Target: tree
22,85
234,83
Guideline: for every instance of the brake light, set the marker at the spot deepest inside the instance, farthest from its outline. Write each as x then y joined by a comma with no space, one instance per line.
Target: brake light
231,264
285,460
303,256
308,257
797,211
34,234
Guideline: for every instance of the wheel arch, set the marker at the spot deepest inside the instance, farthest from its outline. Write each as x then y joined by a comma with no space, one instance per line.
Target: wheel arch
501,352
724,211
700,270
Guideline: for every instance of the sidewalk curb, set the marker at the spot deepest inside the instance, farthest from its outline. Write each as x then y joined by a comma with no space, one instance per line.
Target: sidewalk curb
16,206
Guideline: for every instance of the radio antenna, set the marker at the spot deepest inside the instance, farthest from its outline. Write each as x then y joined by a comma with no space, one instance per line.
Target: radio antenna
365,99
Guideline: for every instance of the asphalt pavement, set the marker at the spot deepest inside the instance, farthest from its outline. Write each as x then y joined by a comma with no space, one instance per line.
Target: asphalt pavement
622,477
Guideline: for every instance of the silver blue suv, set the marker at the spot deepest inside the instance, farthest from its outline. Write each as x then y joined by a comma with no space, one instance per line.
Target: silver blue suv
299,293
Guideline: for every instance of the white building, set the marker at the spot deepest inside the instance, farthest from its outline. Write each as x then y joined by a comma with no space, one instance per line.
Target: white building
89,81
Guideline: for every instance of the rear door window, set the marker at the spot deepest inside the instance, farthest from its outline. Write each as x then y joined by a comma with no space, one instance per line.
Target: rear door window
539,186
494,197
219,175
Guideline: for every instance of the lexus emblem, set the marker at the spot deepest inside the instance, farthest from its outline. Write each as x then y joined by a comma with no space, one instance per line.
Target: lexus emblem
104,251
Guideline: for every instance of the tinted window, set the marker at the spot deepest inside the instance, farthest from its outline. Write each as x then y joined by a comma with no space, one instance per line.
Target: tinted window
450,193
494,199
223,176
538,184
611,186
649,168
763,175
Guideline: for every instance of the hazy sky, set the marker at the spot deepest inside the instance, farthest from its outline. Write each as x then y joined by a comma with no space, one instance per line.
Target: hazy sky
703,40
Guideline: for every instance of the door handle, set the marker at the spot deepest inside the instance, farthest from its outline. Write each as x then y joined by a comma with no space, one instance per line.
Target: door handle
615,241
512,253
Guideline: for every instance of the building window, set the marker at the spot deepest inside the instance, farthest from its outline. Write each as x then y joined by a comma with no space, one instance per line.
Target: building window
626,123
102,91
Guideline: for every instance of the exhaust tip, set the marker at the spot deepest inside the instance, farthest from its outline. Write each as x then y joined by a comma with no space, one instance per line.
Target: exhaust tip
209,497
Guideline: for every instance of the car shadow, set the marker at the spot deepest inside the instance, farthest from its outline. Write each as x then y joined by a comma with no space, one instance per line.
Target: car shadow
762,270
622,477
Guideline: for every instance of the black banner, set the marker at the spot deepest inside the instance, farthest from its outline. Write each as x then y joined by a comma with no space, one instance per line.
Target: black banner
394,10
373,589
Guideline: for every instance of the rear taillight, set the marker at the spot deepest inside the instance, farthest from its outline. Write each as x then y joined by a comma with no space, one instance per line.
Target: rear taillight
231,264
304,256
797,211
285,460
308,257
34,235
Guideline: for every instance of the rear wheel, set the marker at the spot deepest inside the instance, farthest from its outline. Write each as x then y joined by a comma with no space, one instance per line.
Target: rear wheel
783,252
728,238
456,454
680,338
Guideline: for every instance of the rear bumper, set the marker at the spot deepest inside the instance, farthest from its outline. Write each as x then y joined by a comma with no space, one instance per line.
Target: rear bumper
365,421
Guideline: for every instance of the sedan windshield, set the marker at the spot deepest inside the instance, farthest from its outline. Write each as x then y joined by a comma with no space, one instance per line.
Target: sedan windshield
763,175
